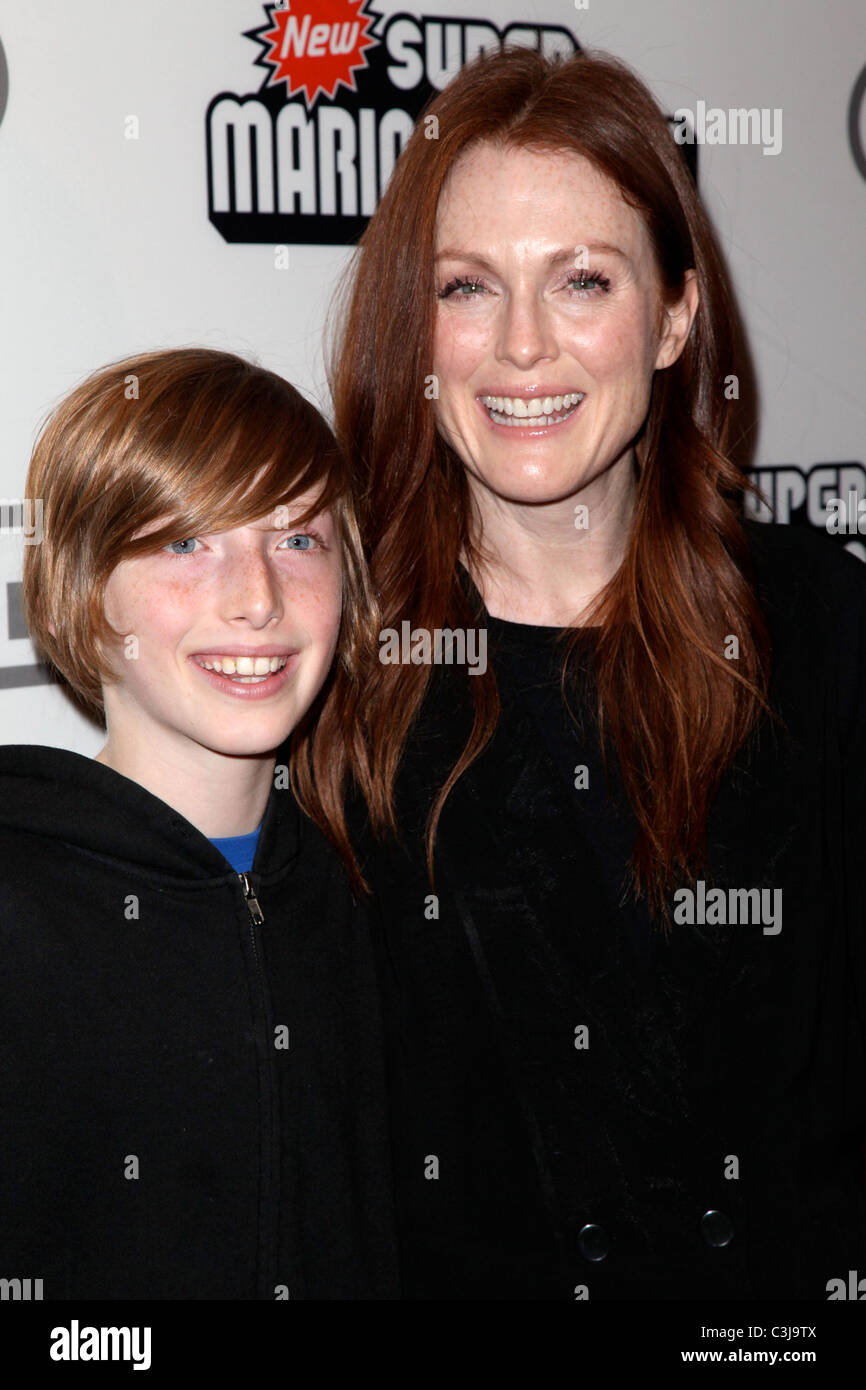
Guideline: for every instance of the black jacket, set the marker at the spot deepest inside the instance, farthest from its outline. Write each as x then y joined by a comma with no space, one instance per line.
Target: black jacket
704,1137
159,1139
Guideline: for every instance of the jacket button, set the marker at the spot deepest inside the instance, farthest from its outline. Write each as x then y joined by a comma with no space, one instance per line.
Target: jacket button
716,1228
592,1242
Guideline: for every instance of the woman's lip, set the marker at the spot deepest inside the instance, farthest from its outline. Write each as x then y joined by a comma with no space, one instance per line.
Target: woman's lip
240,690
529,392
521,431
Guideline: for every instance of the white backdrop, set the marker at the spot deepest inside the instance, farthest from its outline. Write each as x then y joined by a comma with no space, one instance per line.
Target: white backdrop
106,246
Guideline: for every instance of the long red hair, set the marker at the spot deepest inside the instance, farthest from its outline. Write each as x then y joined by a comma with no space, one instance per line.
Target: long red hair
675,708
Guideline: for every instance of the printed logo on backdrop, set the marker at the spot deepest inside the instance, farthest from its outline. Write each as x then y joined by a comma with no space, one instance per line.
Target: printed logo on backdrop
828,496
4,81
857,123
20,525
306,157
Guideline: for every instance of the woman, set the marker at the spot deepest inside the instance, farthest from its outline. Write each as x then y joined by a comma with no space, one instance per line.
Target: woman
620,930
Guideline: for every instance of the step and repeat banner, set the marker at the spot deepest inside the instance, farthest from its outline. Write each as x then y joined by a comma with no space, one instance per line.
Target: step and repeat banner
177,172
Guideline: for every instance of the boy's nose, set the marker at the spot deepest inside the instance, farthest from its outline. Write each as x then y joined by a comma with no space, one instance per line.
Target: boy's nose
252,591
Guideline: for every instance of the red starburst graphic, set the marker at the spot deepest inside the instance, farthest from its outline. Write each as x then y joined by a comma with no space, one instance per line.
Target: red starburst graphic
315,45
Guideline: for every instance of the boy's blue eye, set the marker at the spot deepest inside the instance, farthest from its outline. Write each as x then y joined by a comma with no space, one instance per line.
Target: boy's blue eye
301,541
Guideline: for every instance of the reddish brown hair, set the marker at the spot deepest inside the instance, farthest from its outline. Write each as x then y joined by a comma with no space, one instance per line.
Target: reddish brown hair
202,441
674,707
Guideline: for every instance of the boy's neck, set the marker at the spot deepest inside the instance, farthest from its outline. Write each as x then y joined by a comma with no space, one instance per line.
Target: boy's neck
219,794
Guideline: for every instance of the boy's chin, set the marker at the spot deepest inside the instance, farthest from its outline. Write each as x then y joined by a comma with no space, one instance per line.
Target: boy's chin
262,747
261,741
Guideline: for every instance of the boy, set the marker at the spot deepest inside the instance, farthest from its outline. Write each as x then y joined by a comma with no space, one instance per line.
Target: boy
190,1063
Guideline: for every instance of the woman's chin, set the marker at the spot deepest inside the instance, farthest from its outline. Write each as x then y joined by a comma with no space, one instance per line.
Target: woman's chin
535,487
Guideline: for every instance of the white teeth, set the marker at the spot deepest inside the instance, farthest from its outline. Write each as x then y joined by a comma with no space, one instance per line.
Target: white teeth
524,406
538,421
254,666
246,669
540,410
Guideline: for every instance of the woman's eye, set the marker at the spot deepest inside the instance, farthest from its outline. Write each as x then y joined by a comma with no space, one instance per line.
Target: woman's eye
455,288
302,541
171,547
586,282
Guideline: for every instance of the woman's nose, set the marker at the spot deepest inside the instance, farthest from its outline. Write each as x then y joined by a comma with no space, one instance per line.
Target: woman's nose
526,329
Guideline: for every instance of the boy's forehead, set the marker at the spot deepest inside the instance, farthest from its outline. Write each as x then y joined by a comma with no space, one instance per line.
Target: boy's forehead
281,515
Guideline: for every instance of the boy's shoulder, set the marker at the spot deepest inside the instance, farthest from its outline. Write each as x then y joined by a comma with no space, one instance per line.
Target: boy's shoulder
33,780
72,807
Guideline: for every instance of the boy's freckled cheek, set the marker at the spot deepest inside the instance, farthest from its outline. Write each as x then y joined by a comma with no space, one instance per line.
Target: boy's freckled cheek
176,596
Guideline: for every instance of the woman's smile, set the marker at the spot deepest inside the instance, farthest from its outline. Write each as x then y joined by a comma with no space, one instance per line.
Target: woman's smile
534,415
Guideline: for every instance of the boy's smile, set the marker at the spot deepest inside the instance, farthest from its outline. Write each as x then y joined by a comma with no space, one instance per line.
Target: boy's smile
246,672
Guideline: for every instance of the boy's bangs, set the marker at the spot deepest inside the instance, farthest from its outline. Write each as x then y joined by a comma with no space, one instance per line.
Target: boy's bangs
220,489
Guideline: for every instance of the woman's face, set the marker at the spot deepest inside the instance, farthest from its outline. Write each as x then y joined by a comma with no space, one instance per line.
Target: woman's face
525,319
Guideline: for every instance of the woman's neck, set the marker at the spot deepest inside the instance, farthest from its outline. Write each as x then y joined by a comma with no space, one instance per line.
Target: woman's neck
547,562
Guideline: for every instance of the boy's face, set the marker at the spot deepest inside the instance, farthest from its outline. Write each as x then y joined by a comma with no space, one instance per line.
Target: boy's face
210,616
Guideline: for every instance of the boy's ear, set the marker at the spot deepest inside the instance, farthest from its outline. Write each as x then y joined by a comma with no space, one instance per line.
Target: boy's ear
52,629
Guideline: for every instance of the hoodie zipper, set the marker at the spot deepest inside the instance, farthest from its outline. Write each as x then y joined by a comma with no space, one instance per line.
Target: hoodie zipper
253,908
267,1269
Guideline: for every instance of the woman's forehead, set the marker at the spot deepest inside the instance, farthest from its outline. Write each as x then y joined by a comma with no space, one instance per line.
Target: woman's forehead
516,171
494,191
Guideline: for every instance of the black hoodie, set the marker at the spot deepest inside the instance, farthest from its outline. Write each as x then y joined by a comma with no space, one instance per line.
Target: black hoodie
191,1096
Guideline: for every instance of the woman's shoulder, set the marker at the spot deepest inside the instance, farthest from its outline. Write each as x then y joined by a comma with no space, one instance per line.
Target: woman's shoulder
800,563
813,592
